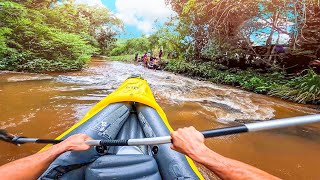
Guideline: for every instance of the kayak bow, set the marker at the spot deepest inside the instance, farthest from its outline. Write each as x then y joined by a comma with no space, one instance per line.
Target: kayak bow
130,112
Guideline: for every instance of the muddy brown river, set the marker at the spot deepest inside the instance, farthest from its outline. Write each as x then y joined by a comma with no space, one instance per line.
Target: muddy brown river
45,105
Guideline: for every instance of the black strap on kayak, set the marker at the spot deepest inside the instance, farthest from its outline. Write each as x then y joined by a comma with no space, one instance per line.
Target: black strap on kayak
59,171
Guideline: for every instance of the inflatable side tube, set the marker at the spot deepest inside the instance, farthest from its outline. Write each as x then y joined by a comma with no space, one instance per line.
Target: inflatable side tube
172,165
104,125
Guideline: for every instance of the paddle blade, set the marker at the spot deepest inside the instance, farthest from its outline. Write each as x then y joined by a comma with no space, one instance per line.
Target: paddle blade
5,136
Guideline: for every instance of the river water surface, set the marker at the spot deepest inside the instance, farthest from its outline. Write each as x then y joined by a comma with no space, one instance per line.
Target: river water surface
45,105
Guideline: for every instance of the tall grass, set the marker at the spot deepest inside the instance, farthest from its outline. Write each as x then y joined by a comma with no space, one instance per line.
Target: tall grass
301,89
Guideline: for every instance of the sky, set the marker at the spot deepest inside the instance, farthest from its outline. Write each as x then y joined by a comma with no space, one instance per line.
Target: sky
140,17
144,17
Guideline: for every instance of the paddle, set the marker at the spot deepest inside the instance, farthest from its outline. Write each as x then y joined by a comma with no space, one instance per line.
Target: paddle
251,127
5,136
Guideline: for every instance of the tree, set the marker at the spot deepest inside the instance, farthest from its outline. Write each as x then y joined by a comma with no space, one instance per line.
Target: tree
103,25
59,38
37,3
223,29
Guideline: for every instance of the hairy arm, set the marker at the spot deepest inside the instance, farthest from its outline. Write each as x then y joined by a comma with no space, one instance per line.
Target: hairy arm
33,166
189,141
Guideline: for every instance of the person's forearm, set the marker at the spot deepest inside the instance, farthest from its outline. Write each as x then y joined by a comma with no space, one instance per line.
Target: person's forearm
227,168
33,166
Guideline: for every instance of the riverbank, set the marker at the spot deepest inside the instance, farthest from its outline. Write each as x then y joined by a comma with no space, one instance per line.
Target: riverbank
304,88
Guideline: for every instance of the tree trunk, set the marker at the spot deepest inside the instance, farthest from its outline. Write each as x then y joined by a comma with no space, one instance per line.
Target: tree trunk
270,38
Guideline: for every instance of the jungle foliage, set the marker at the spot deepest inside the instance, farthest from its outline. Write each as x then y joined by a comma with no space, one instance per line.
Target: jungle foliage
250,30
41,36
140,45
263,46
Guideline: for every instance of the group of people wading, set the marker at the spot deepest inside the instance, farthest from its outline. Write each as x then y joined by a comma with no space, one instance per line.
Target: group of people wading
150,59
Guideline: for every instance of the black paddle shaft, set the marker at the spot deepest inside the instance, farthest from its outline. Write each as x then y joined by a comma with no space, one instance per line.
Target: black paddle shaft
22,140
48,141
5,136
251,127
225,131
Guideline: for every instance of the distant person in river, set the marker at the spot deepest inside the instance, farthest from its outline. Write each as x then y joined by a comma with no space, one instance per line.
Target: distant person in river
145,60
160,54
136,57
156,64
149,53
169,55
188,141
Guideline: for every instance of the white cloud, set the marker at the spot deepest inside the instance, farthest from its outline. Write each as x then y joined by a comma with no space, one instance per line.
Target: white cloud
89,2
142,13
139,13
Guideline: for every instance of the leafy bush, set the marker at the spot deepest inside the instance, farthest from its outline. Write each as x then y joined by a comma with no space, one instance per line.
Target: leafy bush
41,65
49,39
131,46
4,49
300,89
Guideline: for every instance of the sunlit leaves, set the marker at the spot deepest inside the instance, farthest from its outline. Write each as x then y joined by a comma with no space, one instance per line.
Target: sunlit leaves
51,39
301,89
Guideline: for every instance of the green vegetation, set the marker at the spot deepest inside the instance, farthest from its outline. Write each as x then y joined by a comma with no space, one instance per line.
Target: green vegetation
140,45
302,89
205,39
130,46
240,43
234,29
40,37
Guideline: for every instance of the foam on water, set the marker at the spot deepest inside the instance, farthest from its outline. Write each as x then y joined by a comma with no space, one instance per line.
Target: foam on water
227,103
28,77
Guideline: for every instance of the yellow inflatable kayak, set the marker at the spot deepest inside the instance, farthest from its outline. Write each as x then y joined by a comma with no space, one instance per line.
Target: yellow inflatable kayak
131,111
